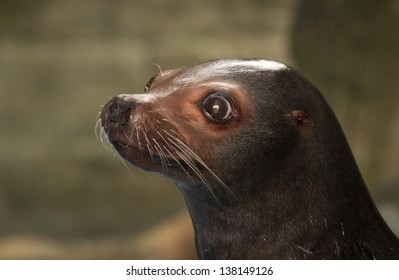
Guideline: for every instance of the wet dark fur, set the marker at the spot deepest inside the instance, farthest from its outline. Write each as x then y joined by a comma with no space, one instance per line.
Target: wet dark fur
293,196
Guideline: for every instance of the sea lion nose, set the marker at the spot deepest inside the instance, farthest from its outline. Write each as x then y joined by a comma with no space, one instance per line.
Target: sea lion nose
118,111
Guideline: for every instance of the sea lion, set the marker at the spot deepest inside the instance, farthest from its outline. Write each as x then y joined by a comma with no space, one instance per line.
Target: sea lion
260,158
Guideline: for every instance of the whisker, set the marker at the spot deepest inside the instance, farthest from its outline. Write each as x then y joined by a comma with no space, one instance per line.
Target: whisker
197,172
109,147
149,145
150,151
126,166
97,129
170,151
163,153
159,68
199,160
100,133
162,157
138,140
157,110
102,136
182,153
130,138
179,143
165,148
163,138
178,162
171,122
104,139
173,132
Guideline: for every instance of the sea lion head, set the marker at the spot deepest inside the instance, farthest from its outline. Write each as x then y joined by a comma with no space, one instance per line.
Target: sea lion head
209,121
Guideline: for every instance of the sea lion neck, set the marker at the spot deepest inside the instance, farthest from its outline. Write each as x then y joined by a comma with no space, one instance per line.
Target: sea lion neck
317,211
263,211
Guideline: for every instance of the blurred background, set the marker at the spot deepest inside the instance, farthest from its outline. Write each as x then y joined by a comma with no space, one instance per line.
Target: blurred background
64,196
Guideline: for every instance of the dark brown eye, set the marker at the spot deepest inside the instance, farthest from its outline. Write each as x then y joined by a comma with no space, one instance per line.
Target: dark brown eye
149,83
219,107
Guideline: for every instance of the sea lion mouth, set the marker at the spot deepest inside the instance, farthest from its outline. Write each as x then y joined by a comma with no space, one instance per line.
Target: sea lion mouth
144,148
152,161
177,161
119,145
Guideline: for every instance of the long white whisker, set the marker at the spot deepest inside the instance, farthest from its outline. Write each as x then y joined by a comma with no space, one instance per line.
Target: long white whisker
162,156
163,138
163,153
170,151
199,160
97,128
130,138
149,145
177,142
138,141
159,68
178,162
197,172
100,134
150,151
126,166
105,141
182,153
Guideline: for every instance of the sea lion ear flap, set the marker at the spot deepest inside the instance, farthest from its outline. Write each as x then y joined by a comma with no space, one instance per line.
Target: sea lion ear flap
304,122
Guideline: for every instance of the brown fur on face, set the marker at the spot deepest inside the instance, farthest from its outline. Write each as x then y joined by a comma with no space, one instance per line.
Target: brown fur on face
166,127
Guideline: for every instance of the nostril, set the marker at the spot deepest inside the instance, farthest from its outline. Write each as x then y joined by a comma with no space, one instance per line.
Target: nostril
112,111
118,113
125,115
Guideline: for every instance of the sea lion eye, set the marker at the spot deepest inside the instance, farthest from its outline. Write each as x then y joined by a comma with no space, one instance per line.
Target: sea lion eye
219,107
149,83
